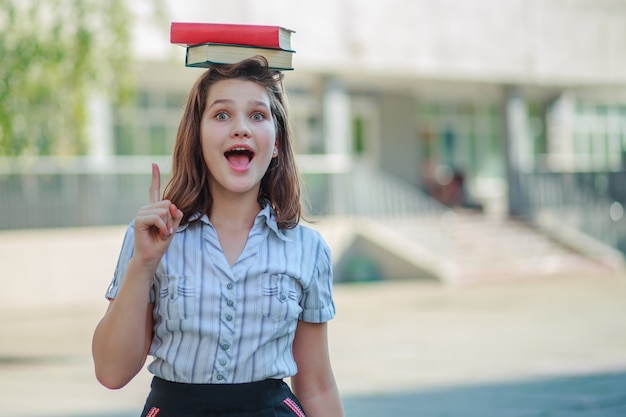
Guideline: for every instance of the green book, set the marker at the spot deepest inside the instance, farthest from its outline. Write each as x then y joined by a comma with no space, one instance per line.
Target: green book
207,54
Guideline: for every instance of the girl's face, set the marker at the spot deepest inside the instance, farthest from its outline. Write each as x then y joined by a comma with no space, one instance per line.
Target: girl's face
238,136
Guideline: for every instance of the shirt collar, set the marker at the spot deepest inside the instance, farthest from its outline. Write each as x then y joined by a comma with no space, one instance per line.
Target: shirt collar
193,218
266,215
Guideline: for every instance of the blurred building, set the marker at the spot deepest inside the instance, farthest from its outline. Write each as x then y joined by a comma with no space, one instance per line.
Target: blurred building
504,108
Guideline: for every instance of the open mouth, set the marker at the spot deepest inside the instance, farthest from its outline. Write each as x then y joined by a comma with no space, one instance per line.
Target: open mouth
239,157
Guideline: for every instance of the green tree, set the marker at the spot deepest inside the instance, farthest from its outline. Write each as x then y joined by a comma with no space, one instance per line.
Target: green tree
53,55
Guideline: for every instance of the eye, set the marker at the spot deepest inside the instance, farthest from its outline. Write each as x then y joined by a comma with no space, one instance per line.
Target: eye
258,116
221,115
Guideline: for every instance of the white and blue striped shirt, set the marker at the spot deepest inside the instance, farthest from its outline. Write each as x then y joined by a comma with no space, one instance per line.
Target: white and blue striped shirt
214,323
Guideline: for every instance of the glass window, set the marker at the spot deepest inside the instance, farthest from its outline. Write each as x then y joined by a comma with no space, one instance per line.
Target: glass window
464,134
598,135
161,141
150,127
123,139
358,135
143,99
175,100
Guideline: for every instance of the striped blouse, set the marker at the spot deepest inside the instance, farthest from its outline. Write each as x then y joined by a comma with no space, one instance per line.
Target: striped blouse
214,323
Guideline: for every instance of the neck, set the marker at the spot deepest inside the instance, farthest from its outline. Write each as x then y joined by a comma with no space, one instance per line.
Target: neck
234,212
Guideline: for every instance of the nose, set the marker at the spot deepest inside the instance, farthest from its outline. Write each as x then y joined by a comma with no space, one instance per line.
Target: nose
240,128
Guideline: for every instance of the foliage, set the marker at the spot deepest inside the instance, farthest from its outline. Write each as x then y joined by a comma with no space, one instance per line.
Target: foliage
54,56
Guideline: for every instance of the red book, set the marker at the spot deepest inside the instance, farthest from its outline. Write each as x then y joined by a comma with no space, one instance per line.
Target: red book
262,36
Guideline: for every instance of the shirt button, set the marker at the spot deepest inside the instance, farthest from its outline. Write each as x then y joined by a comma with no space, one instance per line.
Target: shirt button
230,286
283,297
220,377
229,303
225,346
229,317
222,362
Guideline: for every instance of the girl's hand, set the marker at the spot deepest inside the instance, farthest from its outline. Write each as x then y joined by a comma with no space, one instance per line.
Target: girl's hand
155,225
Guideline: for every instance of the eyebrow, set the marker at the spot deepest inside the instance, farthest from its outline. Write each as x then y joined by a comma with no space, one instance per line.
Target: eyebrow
230,102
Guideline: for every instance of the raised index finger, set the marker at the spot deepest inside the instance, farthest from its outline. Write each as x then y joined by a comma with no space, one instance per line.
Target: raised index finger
155,185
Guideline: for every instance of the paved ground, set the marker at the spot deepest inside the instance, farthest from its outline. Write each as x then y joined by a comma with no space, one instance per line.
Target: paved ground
551,347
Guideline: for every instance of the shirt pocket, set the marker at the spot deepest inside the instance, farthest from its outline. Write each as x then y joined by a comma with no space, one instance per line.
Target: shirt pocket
178,297
280,297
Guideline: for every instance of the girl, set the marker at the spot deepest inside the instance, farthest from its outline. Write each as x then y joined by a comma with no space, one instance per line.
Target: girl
218,281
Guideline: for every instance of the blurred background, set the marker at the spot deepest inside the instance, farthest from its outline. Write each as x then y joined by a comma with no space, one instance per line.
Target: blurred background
485,110
449,141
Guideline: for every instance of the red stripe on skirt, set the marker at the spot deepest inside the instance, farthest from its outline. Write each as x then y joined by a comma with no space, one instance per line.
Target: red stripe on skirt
153,412
294,407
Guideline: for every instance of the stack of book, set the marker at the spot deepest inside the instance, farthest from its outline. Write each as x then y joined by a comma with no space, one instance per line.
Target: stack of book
223,43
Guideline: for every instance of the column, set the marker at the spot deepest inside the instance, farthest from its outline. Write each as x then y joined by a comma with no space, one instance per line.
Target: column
337,119
517,148
337,145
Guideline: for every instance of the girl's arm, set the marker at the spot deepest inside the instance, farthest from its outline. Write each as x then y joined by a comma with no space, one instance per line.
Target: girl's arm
314,385
122,339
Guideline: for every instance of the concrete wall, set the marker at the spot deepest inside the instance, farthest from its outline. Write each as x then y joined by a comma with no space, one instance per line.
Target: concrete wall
523,41
399,146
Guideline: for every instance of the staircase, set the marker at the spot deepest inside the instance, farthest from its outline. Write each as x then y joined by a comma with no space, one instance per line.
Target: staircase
464,247
453,246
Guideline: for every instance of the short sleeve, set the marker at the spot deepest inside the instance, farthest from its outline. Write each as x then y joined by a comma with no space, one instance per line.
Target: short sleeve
128,246
317,302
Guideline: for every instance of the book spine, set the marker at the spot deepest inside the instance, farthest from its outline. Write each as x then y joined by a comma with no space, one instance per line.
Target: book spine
197,33
209,64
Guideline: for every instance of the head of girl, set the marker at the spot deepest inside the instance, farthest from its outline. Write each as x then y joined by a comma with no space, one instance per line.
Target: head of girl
190,184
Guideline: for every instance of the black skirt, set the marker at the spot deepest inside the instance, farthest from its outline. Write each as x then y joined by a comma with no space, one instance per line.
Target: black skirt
269,398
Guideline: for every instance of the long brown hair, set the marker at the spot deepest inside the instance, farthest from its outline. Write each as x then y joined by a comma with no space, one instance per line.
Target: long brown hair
189,187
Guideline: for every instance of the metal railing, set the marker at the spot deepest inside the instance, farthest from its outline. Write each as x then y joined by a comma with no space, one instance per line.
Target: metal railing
364,190
56,192
590,203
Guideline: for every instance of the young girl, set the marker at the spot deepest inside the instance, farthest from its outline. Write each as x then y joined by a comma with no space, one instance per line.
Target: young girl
218,281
